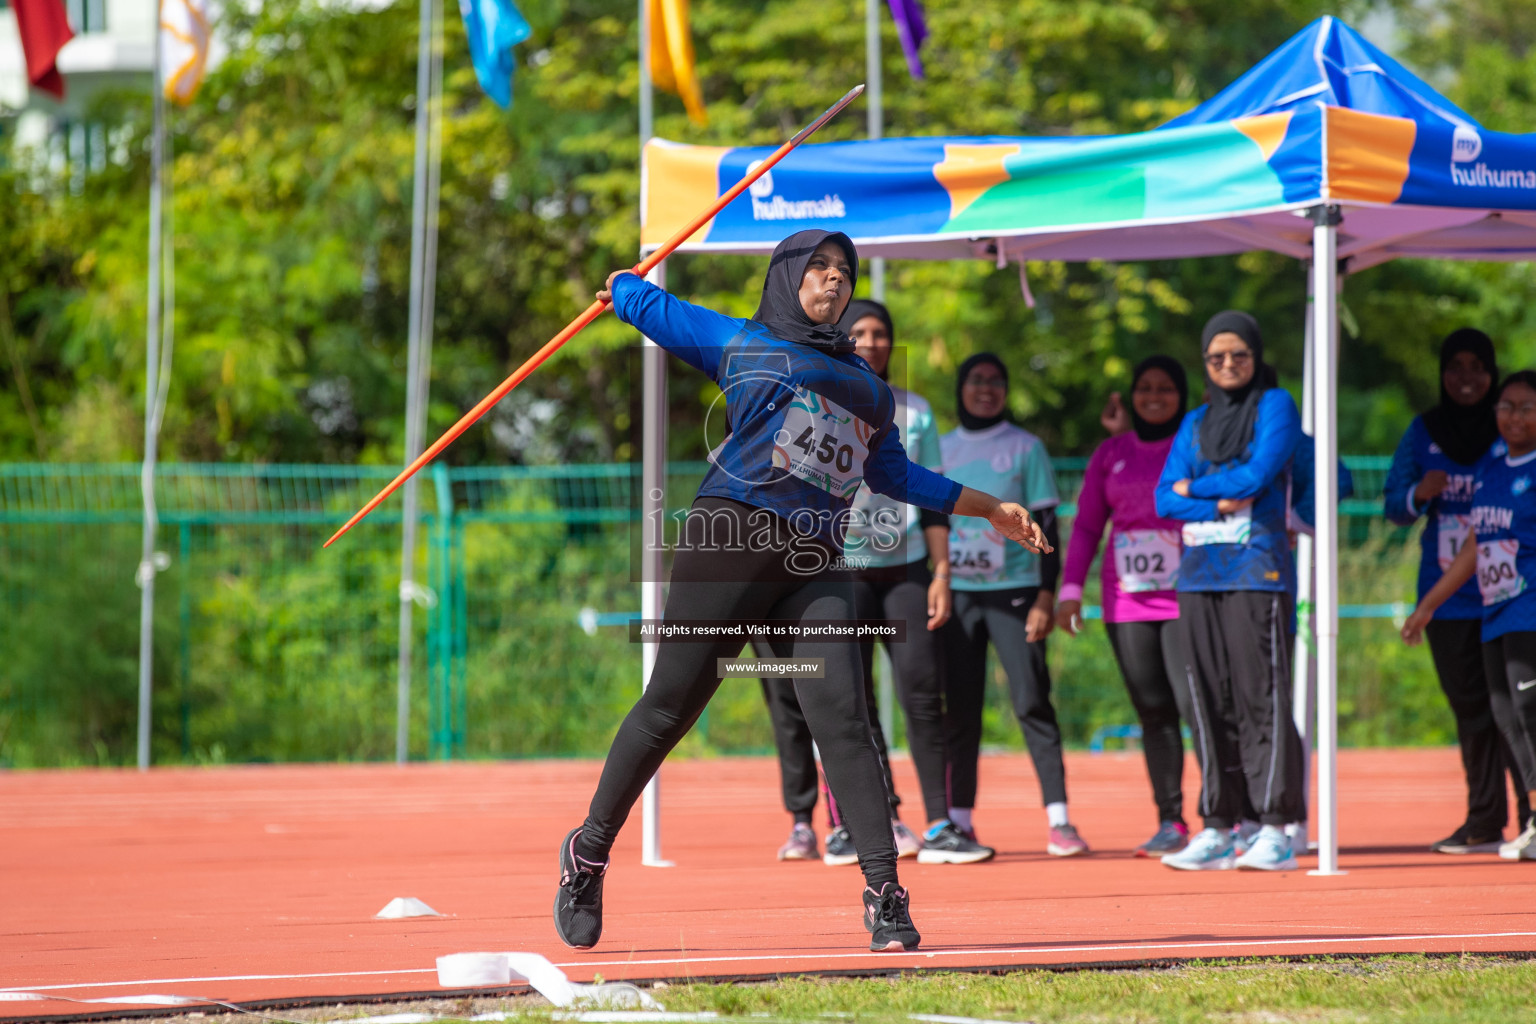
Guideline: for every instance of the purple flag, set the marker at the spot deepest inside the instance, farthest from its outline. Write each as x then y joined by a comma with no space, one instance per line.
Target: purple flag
912,30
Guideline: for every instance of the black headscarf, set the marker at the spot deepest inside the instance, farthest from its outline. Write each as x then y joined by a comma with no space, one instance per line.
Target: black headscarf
1157,431
1227,429
1464,432
781,312
857,310
968,421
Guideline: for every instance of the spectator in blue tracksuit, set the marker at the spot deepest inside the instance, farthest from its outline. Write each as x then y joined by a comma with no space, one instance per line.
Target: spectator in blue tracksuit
1227,478
1432,476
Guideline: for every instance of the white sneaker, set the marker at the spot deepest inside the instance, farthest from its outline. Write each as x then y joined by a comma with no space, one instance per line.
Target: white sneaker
1209,850
1523,846
1269,851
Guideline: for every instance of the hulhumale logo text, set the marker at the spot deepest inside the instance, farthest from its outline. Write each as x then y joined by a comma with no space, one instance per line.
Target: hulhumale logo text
767,206
1467,146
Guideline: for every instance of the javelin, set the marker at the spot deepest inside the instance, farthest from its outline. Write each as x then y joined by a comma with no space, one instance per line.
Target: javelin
592,312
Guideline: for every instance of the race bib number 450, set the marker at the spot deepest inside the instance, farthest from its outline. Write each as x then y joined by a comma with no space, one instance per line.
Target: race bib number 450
1498,577
823,444
1147,560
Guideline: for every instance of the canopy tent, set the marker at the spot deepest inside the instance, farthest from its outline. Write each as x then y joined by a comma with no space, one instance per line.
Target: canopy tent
1328,150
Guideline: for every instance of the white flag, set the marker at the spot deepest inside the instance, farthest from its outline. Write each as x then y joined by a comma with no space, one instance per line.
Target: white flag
183,47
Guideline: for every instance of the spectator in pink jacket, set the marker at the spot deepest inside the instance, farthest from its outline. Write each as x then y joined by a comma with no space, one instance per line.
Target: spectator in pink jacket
1137,575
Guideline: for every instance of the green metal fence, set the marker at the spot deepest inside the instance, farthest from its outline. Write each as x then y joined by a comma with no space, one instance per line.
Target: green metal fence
270,648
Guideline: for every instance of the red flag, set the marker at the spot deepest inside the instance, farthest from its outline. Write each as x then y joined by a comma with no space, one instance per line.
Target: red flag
44,31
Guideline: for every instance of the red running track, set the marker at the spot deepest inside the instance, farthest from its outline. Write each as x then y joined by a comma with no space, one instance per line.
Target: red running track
261,882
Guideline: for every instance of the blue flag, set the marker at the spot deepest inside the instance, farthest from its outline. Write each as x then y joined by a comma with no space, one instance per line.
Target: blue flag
494,27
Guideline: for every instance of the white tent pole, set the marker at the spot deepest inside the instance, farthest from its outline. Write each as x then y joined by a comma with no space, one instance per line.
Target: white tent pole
875,100
1303,695
152,386
653,475
418,337
1325,221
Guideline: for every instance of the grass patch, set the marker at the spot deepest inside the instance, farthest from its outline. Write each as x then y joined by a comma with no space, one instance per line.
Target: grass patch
1399,990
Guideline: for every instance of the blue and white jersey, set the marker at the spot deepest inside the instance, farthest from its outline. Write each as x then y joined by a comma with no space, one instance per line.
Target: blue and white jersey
1503,518
802,427
1249,549
1011,464
1447,517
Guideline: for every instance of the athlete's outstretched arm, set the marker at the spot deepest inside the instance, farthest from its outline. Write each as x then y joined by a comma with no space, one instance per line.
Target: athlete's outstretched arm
1009,518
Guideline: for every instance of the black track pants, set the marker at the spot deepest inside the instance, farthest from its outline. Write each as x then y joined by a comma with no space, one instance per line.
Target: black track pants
1457,648
997,616
1237,681
792,739
902,593
713,582
1508,662
1147,653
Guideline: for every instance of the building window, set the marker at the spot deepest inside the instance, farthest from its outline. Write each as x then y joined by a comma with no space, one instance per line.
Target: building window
85,15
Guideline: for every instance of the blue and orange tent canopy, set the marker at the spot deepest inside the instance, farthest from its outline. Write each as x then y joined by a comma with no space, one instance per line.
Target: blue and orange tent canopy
1326,118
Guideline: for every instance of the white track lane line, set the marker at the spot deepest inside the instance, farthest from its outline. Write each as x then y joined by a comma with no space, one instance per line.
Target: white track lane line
795,958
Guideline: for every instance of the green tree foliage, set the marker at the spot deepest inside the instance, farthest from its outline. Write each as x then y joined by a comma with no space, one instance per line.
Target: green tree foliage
292,175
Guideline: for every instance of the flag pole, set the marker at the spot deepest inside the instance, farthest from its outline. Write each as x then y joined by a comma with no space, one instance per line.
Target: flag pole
592,312
145,575
418,335
874,118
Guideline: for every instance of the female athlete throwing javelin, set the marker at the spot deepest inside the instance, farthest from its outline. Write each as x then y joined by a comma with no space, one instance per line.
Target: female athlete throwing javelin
808,422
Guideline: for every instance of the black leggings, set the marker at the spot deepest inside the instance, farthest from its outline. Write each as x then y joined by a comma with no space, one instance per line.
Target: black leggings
998,617
901,592
1149,661
1457,648
1508,662
719,581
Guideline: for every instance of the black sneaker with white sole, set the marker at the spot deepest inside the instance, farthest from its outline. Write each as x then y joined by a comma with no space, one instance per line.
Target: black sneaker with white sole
951,846
579,900
840,849
1464,840
888,917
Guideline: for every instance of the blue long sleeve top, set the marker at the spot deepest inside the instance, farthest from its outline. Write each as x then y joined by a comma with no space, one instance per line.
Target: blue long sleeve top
1249,549
1447,517
804,427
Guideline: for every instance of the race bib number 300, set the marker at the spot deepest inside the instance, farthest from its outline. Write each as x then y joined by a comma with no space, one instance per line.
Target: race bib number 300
1147,560
1498,577
1452,534
823,444
975,552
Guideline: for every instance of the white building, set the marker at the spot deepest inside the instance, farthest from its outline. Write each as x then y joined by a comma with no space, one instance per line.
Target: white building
113,48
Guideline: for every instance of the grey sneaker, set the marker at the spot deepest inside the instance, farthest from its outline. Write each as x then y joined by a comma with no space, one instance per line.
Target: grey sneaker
1171,837
1243,835
907,844
840,849
801,844
951,846
1065,842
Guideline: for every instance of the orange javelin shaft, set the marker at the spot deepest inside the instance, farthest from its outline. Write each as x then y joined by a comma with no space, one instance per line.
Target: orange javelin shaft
591,313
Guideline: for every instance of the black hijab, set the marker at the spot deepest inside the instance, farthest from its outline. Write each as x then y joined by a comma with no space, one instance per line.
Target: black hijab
968,421
857,310
1464,432
781,312
1157,431
1227,429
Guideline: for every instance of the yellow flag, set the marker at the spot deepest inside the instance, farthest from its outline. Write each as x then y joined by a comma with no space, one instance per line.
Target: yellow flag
672,55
